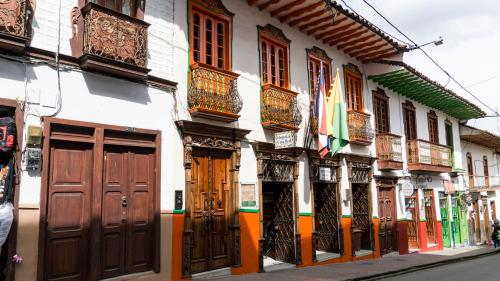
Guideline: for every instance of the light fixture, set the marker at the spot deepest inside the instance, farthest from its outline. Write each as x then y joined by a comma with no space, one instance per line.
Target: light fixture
438,42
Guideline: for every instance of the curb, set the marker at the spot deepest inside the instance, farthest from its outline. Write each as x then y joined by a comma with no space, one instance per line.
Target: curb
398,272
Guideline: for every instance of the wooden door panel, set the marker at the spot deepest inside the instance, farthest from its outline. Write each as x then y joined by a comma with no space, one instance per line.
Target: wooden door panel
326,217
218,206
140,210
114,213
387,214
68,217
412,207
430,216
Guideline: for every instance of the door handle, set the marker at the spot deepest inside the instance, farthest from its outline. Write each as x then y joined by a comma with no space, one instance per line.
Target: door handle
124,201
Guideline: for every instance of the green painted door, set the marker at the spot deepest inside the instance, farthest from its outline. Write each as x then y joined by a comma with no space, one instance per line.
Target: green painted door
456,224
445,221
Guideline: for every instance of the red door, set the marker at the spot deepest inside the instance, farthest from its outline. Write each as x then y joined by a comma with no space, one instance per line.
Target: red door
68,211
127,211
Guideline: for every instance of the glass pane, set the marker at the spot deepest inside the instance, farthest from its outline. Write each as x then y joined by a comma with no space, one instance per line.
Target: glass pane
273,65
196,37
126,8
220,45
208,44
264,62
281,57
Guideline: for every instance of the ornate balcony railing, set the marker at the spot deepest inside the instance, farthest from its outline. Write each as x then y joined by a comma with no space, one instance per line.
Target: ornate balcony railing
14,18
389,151
279,108
112,42
360,129
483,182
213,93
423,155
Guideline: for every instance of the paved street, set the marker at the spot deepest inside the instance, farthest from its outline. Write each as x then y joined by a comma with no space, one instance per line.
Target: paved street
481,269
358,270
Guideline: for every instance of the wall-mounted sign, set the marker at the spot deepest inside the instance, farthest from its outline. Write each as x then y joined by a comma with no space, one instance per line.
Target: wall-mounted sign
248,195
178,200
407,188
325,173
285,139
449,188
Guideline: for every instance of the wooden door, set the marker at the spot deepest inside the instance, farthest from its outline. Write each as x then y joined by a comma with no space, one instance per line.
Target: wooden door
430,216
68,211
487,224
326,217
210,201
411,203
493,210
477,221
127,211
387,216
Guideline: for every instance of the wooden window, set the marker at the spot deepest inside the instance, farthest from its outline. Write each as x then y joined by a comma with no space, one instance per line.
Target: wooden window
274,62
127,7
410,121
354,90
486,171
433,127
314,71
449,133
470,169
381,111
209,39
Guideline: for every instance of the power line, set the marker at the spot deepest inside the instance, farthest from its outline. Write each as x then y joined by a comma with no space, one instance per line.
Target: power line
425,53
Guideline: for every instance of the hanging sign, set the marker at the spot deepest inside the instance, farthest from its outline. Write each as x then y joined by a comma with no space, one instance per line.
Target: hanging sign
407,188
284,139
325,173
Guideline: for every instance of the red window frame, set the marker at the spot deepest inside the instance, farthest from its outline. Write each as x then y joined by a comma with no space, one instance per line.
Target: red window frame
314,68
432,121
354,90
410,120
209,38
381,112
274,63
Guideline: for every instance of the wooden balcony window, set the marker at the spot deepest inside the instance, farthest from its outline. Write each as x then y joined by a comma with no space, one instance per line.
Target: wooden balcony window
14,24
213,93
279,109
360,129
479,183
389,152
111,42
426,156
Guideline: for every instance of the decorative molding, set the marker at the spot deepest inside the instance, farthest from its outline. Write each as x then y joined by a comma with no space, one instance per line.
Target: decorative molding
319,54
408,105
352,69
215,6
212,142
272,32
379,93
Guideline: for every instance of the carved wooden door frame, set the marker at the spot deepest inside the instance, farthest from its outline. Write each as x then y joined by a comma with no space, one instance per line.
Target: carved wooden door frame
201,135
335,164
265,152
389,183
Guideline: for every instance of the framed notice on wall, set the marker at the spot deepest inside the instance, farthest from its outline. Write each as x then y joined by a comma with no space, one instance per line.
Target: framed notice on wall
248,195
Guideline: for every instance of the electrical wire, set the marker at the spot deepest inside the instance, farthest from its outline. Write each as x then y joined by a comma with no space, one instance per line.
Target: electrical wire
427,55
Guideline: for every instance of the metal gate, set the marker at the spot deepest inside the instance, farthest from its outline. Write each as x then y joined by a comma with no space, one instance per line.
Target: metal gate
360,217
326,217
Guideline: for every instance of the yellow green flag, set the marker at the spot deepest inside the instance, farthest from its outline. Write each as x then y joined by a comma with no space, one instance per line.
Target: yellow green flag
338,131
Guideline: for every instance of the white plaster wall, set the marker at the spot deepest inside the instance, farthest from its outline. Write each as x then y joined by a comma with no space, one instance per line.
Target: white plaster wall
478,152
158,13
95,98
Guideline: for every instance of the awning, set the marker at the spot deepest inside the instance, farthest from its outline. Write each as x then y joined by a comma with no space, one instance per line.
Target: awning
332,24
480,137
410,83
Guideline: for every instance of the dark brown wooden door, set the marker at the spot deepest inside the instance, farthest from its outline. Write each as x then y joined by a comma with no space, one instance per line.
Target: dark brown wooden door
487,224
326,217
68,211
127,211
493,210
430,216
387,215
411,203
209,212
477,221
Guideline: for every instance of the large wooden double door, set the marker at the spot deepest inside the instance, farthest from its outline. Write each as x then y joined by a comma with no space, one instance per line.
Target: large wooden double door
387,216
326,222
210,201
124,204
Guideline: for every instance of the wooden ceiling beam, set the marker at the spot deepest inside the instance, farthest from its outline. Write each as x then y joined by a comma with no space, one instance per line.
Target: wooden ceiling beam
286,7
326,25
342,34
314,23
368,49
356,41
267,4
333,31
306,18
252,2
366,44
375,54
348,37
386,55
300,11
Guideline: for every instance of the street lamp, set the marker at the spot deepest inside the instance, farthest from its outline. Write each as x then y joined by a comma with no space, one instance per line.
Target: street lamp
436,43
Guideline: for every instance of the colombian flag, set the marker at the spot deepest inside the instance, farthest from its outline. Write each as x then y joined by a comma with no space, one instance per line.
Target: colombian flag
337,118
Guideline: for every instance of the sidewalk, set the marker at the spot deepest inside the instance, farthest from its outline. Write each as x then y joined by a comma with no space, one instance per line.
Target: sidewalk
361,270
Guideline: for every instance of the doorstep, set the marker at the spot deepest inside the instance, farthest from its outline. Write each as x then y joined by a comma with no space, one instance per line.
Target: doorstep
362,253
323,256
226,271
271,265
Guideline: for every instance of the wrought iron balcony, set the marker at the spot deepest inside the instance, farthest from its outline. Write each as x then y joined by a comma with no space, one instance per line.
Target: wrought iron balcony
389,152
426,156
213,93
360,129
279,108
479,183
14,22
111,42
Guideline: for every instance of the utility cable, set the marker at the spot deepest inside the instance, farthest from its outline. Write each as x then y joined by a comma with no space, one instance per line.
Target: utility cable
427,55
